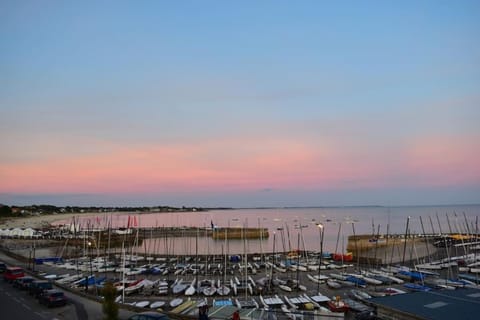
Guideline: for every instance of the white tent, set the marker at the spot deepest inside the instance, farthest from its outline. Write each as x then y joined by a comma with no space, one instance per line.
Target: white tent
27,233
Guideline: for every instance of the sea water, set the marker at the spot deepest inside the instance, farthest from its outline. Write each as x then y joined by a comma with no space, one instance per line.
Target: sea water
293,228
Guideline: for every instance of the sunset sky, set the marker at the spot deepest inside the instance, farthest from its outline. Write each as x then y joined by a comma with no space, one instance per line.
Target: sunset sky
246,103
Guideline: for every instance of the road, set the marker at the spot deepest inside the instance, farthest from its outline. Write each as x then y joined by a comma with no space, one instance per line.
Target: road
18,304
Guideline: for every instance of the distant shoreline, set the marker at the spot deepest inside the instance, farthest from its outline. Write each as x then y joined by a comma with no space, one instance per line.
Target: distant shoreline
45,220
36,222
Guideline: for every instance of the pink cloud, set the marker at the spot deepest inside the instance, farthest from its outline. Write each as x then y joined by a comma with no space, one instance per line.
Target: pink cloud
248,163
443,160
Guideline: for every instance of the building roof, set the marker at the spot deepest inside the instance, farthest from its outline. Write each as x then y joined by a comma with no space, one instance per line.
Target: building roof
442,304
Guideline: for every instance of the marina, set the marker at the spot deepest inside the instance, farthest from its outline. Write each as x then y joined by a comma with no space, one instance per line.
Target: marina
176,269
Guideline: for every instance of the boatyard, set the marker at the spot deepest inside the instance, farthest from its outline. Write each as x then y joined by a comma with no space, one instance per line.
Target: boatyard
293,284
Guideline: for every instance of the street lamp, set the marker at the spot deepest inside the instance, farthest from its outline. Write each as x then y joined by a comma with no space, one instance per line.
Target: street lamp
90,256
320,232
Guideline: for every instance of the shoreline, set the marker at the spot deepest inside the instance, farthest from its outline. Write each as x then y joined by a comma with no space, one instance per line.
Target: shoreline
40,221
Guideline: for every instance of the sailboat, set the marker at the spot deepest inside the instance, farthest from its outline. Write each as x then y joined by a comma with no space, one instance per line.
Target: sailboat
179,287
223,289
190,291
333,284
210,290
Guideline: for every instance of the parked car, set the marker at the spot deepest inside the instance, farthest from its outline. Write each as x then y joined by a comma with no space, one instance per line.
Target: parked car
37,287
52,298
149,315
12,273
3,267
23,283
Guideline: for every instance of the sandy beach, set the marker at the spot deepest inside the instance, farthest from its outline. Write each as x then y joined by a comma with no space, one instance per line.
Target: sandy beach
36,222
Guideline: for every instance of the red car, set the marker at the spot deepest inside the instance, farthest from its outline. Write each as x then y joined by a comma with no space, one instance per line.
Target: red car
13,273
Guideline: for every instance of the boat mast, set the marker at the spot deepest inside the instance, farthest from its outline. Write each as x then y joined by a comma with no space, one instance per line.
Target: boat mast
246,258
298,259
405,240
426,239
356,246
196,261
338,237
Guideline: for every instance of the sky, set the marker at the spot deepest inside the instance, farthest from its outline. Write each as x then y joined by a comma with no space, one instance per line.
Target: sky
239,103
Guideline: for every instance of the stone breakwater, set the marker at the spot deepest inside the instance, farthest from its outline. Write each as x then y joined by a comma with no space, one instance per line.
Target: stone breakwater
368,249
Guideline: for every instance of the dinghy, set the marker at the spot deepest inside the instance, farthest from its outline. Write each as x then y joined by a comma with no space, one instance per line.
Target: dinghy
157,304
176,302
142,304
333,284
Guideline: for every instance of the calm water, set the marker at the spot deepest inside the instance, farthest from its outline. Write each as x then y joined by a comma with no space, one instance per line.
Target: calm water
287,226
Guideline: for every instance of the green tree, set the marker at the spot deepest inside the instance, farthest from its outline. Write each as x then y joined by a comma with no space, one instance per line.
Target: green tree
109,306
5,211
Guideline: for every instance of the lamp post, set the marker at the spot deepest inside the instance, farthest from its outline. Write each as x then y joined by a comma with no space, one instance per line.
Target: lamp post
320,232
90,257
